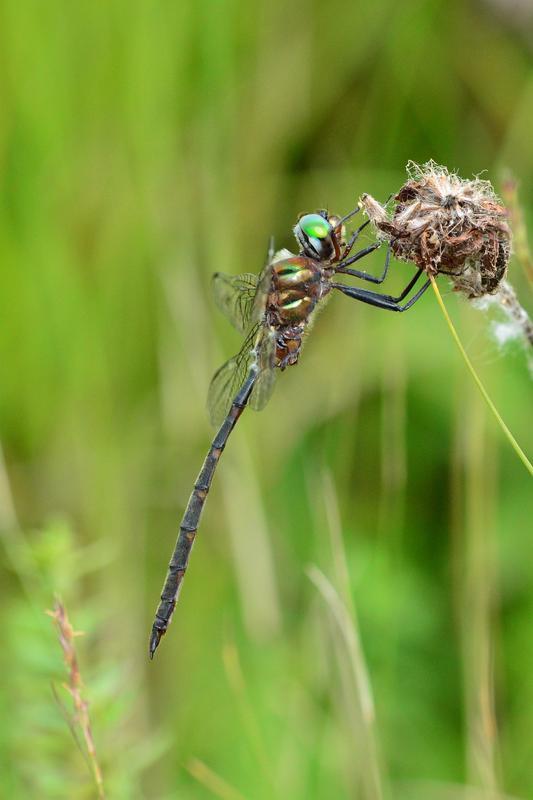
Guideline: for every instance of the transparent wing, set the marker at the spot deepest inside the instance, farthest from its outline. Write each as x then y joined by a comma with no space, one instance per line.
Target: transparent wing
261,294
266,359
259,348
235,295
229,378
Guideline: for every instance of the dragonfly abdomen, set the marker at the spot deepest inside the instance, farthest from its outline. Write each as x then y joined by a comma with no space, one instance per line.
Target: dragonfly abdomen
193,512
288,346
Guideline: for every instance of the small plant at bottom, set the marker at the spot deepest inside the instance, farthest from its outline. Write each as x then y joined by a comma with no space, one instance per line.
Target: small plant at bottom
73,686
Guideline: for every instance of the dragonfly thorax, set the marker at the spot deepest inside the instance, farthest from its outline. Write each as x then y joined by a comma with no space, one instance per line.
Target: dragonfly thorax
295,290
297,284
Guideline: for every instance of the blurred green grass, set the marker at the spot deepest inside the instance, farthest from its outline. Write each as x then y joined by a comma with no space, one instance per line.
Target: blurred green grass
143,147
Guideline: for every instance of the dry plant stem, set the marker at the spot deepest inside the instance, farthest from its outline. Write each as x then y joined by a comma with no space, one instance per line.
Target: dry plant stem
235,675
514,444
346,626
337,546
479,604
393,444
357,686
443,790
474,500
73,687
13,537
253,555
213,782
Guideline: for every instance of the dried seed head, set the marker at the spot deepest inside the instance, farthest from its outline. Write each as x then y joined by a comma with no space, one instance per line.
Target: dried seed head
447,225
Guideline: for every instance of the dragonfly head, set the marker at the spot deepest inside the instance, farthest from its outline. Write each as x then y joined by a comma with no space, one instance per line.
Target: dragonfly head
315,233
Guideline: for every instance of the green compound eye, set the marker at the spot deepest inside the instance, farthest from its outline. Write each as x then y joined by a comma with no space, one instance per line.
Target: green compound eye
314,226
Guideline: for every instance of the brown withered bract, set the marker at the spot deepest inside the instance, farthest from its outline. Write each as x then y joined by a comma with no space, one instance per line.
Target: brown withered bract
445,224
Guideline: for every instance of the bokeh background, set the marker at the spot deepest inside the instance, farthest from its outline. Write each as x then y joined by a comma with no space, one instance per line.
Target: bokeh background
357,619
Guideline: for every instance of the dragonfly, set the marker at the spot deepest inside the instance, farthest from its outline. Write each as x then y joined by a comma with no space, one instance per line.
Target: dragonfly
273,311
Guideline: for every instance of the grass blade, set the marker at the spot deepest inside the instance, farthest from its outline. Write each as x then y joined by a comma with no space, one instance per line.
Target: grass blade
213,782
512,441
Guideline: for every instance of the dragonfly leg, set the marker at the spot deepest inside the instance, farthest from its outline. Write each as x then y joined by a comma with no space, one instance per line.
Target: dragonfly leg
191,517
351,241
365,275
349,215
385,301
414,280
348,248
360,254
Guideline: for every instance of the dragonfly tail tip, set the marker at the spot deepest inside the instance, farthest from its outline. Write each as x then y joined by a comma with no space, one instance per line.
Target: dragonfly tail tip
155,638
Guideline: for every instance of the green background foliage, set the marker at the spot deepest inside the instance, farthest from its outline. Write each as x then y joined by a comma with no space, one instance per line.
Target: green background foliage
142,147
